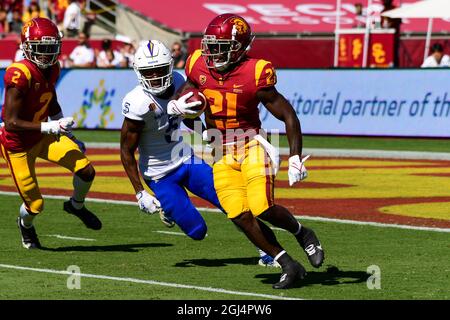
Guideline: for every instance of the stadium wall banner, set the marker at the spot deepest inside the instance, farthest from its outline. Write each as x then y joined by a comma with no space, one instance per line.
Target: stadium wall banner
380,53
411,102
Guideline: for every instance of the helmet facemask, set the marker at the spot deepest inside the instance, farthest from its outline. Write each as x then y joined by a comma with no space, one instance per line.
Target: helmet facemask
155,79
44,53
220,53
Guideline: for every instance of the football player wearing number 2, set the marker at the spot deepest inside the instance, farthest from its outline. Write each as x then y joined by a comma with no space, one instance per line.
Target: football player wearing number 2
244,176
167,165
27,134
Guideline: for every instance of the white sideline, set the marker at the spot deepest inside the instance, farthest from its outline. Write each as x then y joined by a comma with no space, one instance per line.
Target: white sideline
312,218
171,233
59,236
373,224
151,282
322,152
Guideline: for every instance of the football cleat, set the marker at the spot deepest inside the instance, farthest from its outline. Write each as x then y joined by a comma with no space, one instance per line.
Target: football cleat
88,218
293,272
166,220
268,261
29,236
312,247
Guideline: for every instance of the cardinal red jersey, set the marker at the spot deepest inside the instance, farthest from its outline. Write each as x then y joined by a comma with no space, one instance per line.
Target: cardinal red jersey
232,97
38,91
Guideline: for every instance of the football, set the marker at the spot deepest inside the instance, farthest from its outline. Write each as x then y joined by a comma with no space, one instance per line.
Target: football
197,96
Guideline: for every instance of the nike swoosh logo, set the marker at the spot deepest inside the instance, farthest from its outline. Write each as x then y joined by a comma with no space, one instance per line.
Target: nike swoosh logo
235,86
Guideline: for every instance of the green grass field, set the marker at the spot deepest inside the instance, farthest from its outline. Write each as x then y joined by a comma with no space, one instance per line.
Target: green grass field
412,263
331,142
131,259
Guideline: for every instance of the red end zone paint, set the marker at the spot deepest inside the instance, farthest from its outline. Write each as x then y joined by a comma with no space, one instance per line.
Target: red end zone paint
361,209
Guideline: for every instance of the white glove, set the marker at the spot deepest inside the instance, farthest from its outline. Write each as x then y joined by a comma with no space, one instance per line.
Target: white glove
63,125
181,107
148,203
297,170
205,136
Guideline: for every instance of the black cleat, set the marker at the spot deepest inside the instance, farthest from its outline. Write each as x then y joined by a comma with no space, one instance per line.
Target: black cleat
88,218
311,244
29,236
291,273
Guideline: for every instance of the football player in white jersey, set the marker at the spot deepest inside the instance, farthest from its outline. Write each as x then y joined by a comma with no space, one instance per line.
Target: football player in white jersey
167,164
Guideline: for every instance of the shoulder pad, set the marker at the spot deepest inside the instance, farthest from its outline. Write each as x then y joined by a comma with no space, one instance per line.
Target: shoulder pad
136,104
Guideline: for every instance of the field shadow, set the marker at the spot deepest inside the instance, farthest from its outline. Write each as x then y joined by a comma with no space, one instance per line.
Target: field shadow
132,247
331,277
216,262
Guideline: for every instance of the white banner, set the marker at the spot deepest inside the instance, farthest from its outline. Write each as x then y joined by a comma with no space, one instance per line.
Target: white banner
367,102
336,102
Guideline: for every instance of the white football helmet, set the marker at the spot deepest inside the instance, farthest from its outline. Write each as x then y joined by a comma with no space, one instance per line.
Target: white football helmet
153,64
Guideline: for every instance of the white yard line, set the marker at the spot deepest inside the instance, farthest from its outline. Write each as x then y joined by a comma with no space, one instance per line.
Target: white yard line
150,282
68,238
373,224
171,233
313,218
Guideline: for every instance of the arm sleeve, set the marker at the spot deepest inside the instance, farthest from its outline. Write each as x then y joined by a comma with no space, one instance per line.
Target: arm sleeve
134,110
265,75
190,69
17,78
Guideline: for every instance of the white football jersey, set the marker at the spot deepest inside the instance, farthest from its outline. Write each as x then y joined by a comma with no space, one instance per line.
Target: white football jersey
161,146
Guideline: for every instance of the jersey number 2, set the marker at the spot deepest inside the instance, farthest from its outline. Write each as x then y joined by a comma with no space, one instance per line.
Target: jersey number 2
218,106
15,77
45,99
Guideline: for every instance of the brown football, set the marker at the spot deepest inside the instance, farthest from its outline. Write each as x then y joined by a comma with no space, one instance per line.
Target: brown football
197,96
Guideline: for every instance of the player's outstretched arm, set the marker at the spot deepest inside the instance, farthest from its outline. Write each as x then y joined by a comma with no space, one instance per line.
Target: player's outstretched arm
14,104
129,140
277,104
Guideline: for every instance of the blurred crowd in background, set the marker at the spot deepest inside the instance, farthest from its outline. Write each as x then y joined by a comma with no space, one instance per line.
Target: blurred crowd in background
75,22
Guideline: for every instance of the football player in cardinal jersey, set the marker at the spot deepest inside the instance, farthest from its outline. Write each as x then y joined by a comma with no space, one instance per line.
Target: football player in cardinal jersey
244,174
167,164
27,133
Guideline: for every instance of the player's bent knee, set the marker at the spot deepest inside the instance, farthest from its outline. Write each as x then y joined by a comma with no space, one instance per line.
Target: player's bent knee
87,173
198,233
259,208
242,219
265,214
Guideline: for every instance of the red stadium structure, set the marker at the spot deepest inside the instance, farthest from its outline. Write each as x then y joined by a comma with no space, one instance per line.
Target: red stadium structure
302,28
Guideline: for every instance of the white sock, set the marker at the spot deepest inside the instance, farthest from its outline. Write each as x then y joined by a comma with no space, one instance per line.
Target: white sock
80,190
299,229
26,219
279,255
261,252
